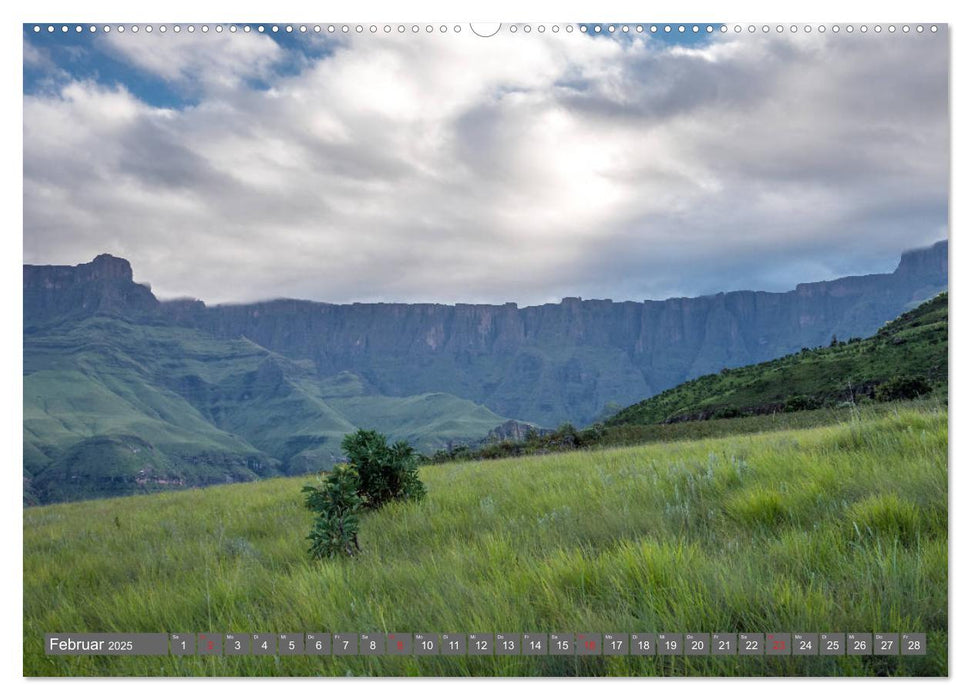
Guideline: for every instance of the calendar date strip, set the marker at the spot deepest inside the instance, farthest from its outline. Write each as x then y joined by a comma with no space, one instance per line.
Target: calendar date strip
488,644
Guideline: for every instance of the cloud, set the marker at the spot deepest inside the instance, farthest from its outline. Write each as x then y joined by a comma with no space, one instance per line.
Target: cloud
211,62
34,57
524,168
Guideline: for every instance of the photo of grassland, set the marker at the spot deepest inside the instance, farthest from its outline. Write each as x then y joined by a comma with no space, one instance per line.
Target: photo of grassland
570,328
834,528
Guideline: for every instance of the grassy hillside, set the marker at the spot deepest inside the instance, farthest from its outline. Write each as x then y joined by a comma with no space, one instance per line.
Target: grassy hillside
840,528
913,345
114,407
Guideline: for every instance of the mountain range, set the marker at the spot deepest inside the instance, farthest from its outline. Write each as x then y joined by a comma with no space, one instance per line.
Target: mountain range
126,393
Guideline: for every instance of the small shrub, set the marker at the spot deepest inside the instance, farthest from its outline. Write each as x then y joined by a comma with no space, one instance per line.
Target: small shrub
565,437
800,403
374,474
336,503
902,389
386,473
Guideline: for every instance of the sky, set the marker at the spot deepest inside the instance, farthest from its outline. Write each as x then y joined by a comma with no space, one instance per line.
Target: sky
446,167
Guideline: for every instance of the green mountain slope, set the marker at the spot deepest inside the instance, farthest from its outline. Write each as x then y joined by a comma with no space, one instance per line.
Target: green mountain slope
113,406
97,421
913,346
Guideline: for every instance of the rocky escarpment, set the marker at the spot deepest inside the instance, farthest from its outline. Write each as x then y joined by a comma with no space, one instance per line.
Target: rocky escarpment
103,286
542,364
565,362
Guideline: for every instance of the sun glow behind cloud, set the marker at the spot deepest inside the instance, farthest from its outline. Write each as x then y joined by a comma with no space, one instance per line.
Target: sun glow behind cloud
451,168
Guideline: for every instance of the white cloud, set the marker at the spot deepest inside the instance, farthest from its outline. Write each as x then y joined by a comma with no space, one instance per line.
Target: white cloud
452,168
34,57
213,61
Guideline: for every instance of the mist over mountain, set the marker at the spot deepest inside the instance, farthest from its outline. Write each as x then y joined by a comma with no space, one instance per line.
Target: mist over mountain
124,393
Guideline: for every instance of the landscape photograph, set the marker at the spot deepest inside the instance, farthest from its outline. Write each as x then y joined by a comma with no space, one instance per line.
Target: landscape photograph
542,350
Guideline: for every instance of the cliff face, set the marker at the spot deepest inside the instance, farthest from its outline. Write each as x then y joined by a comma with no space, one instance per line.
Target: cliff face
543,364
924,263
563,362
103,286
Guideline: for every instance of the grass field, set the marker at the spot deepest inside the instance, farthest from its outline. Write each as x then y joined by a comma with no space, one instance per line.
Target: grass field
839,528
630,434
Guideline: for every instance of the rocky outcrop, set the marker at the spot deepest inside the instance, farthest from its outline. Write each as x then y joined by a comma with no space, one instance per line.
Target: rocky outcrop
513,431
103,286
924,263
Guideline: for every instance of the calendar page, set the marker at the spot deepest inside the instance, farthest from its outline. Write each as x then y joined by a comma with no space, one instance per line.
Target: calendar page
515,349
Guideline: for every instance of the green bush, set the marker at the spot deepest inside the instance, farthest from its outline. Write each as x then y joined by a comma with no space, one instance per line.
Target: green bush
801,403
375,474
336,502
386,473
902,388
565,437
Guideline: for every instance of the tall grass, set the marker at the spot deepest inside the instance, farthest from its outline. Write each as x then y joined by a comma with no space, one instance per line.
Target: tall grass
840,528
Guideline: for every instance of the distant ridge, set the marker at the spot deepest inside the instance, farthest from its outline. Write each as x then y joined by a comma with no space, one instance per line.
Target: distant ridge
564,362
542,364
